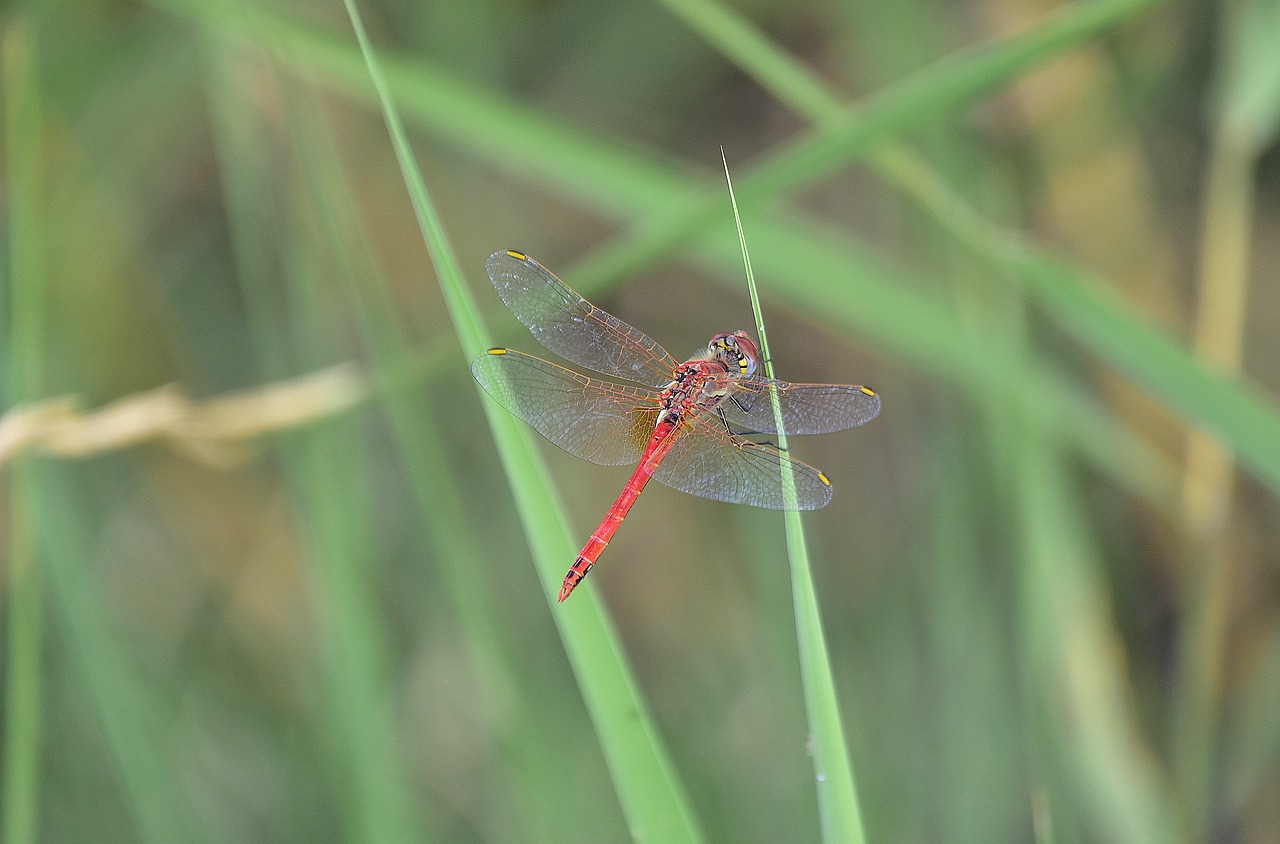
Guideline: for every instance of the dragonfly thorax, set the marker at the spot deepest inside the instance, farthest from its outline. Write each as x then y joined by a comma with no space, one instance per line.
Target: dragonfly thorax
699,386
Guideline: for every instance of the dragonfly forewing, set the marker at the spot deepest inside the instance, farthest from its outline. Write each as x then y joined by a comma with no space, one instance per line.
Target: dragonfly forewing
572,327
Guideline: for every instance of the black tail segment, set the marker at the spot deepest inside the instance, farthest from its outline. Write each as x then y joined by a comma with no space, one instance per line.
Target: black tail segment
576,572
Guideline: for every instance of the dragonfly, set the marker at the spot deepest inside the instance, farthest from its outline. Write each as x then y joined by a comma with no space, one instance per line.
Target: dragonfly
687,425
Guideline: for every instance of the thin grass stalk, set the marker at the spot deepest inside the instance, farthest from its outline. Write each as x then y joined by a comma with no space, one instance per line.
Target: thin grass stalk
652,798
24,350
840,815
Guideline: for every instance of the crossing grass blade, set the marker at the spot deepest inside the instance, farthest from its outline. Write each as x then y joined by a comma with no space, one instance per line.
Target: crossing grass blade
1242,415
651,795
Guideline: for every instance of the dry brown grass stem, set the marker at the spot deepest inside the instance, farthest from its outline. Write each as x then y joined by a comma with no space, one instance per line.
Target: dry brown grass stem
214,431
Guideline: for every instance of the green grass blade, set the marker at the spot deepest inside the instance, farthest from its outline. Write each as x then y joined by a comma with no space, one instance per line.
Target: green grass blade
655,803
23,348
458,553
981,754
24,686
1250,83
1134,801
833,773
379,802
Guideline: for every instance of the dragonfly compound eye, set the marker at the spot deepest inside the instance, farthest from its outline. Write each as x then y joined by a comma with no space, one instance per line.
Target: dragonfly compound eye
736,351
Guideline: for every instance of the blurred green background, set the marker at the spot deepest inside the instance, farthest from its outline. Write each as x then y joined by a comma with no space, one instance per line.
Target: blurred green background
250,607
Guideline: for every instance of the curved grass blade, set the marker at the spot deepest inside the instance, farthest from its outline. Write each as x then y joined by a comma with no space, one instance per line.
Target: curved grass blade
652,798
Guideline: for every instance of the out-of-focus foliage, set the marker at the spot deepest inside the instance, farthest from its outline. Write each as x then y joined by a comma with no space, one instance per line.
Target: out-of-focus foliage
249,596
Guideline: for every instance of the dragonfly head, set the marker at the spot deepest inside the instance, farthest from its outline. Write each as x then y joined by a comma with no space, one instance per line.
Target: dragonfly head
737,351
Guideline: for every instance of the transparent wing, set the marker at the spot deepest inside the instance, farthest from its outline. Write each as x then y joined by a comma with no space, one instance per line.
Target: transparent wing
806,408
596,420
572,327
707,460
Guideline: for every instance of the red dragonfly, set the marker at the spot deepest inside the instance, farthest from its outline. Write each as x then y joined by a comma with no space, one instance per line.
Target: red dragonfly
685,423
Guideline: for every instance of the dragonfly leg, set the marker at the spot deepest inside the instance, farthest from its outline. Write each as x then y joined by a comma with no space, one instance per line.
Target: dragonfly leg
737,436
